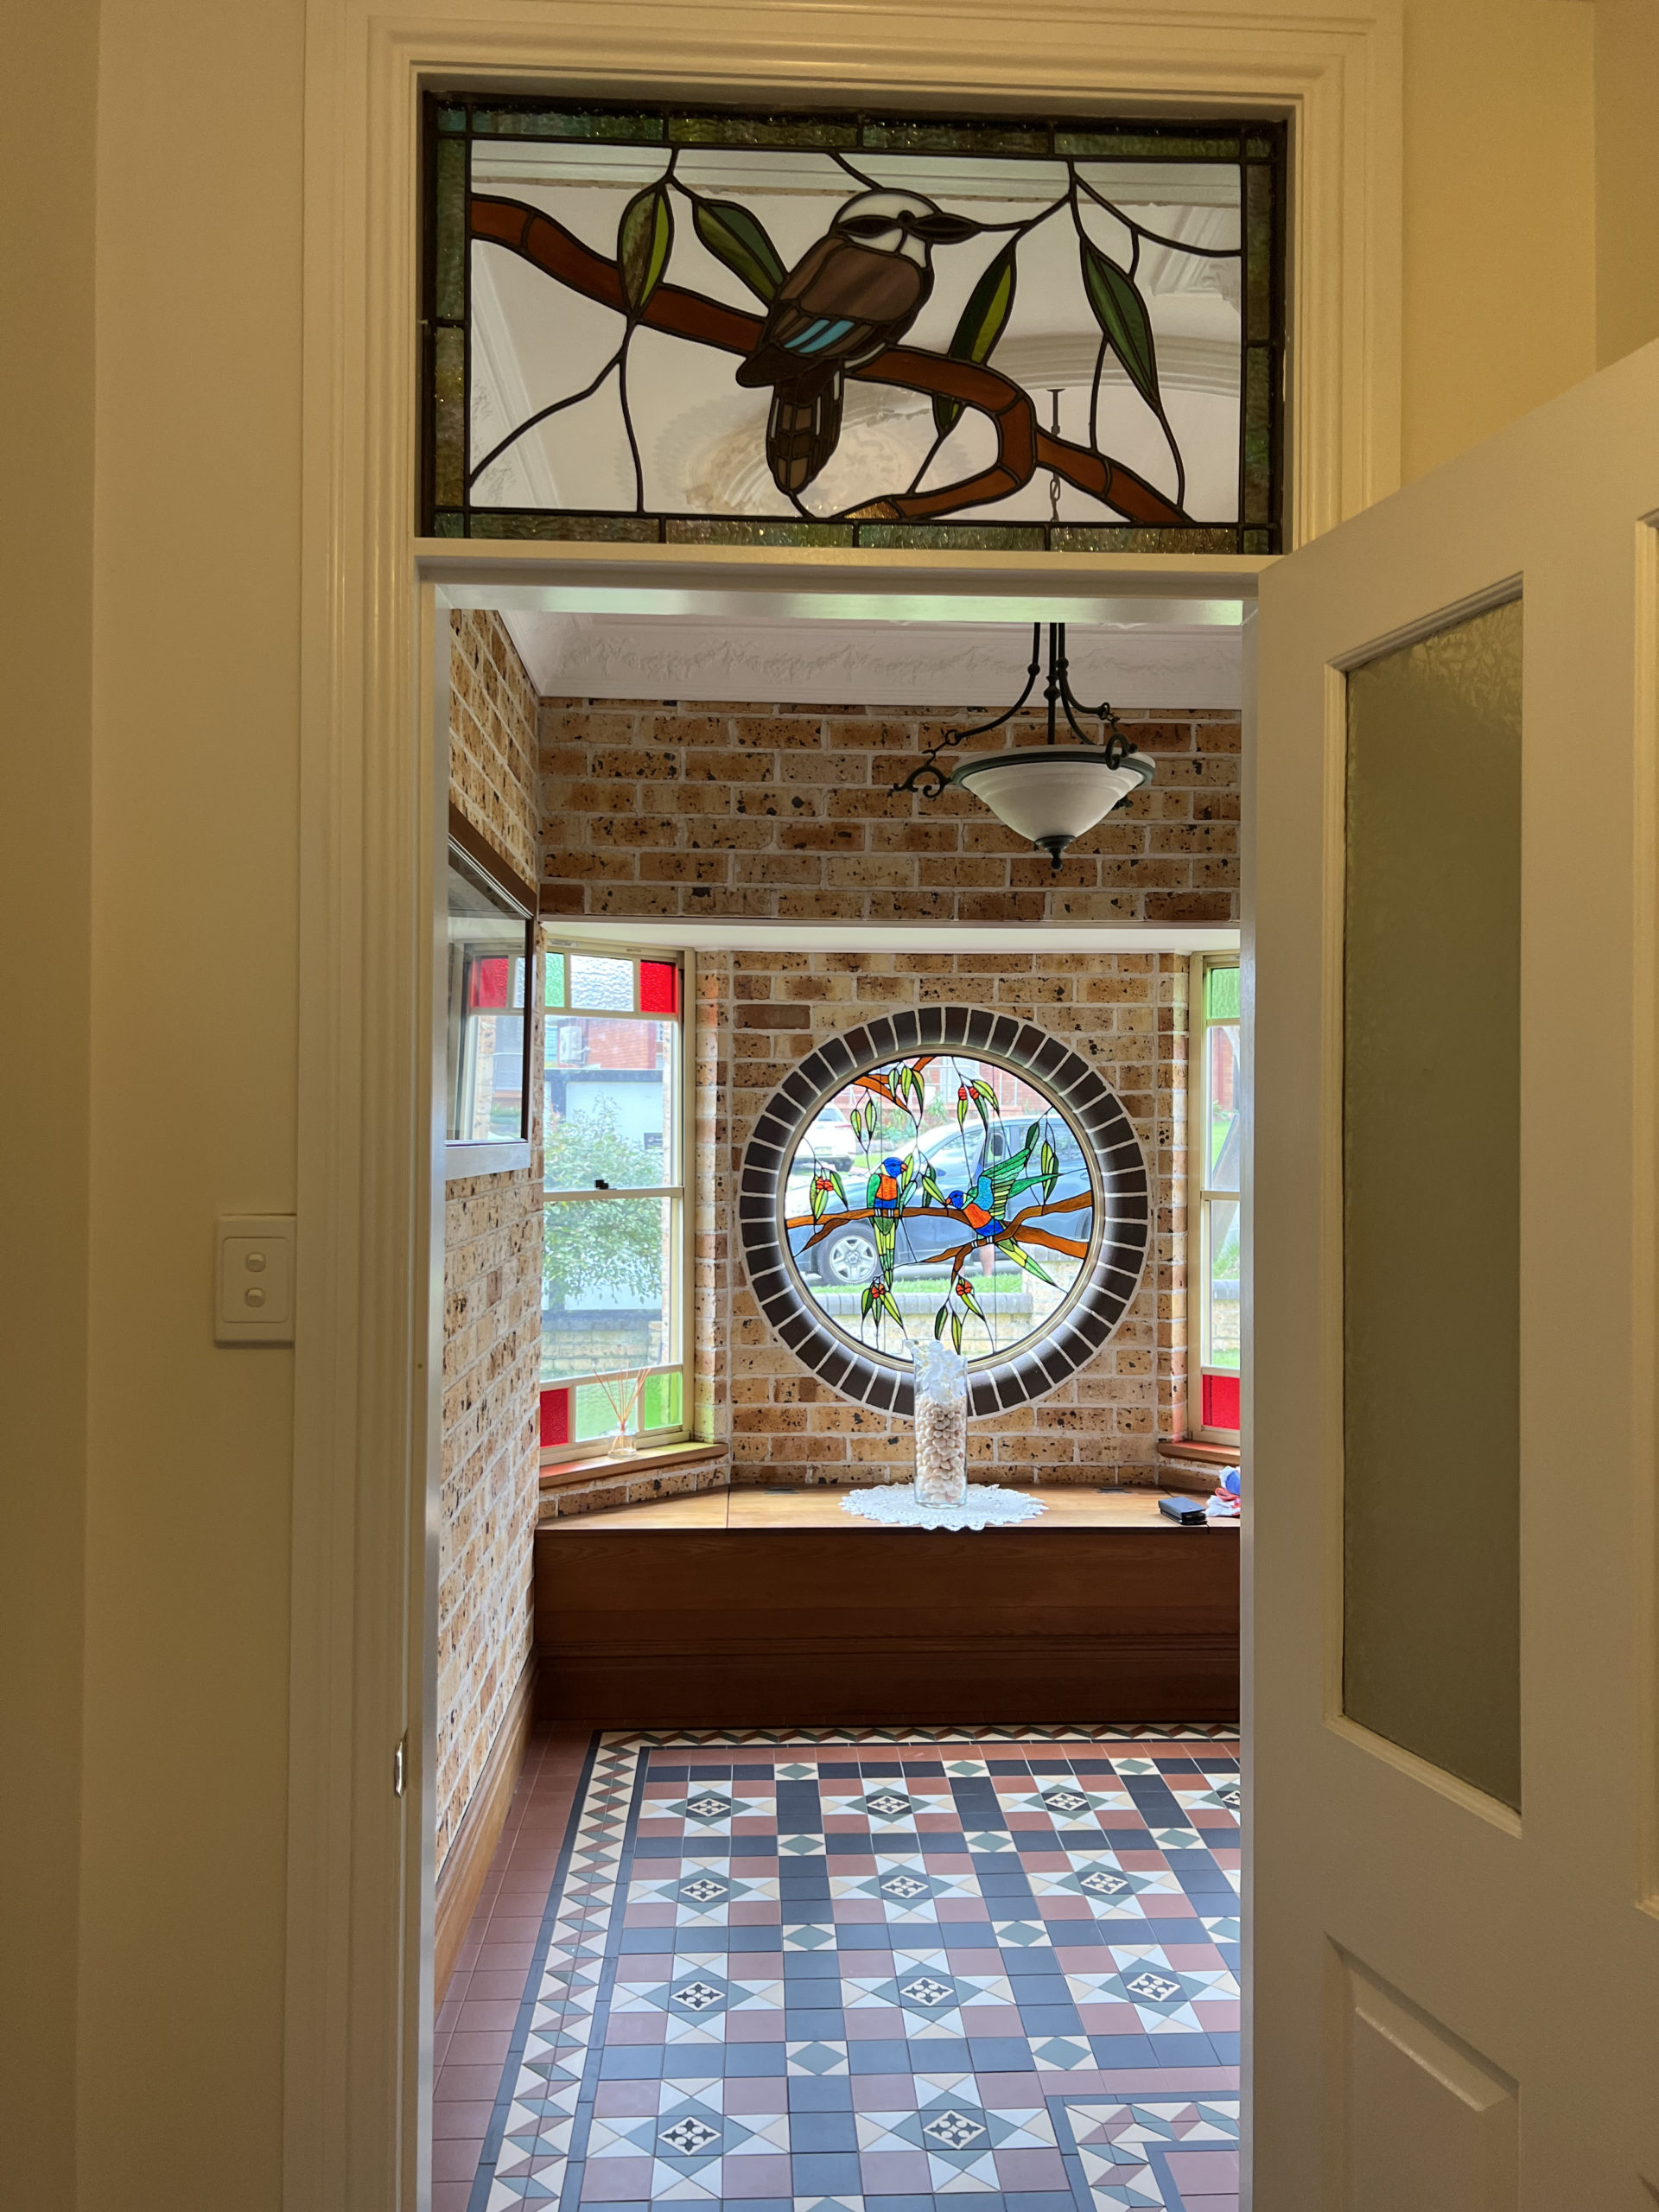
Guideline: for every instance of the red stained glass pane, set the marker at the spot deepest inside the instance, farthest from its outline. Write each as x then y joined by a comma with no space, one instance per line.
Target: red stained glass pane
490,982
1220,1402
660,987
555,1417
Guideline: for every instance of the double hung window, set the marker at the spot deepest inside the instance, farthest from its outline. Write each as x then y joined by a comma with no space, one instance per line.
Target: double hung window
616,1218
1215,1130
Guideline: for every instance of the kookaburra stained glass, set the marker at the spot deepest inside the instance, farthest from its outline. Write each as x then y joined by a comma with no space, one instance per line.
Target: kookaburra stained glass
660,325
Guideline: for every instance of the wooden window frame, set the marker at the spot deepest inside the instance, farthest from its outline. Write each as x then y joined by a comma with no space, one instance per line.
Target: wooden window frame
1200,1198
555,1457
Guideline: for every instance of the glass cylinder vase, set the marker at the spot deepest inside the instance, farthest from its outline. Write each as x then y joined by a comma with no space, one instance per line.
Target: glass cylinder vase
941,1426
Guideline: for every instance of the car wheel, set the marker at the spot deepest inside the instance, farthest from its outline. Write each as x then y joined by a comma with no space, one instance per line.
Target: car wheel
849,1257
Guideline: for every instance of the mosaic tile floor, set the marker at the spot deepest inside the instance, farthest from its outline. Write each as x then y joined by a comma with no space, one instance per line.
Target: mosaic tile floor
843,1970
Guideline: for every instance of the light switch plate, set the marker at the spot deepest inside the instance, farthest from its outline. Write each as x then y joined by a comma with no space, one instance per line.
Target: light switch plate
253,1279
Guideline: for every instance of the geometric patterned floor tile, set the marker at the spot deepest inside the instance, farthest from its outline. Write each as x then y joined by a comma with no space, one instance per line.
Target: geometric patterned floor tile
873,1970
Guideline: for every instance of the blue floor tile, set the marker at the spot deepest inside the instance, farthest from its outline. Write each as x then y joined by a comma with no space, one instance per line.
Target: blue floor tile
829,2174
1121,2051
999,2053
812,2132
820,2093
878,2055
754,2061
632,2063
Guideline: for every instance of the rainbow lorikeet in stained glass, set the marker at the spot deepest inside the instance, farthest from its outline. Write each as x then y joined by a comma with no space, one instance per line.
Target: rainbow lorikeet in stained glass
976,1211
985,1208
884,1195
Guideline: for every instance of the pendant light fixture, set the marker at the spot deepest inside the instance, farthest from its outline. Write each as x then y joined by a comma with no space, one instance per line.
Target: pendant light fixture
1050,793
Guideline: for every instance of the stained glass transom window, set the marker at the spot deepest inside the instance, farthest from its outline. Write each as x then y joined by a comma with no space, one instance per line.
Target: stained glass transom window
662,326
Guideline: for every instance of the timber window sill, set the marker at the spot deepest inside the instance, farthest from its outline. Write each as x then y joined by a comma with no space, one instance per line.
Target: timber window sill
1204,1455
561,1474
495,1156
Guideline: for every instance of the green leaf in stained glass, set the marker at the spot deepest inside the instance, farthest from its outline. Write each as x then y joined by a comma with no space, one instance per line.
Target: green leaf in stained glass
644,238
553,989
981,324
735,236
1121,314
1221,993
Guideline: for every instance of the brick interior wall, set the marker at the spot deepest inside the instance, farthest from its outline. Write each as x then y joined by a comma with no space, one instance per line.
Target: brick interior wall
491,1286
784,813
1126,1013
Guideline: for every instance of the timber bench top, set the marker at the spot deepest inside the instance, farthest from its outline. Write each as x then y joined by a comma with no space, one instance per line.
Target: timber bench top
1070,1506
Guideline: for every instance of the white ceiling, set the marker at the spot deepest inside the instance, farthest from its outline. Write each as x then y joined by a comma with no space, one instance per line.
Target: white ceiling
774,660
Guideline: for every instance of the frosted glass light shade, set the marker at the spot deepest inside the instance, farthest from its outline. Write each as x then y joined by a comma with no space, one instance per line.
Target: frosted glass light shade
1052,793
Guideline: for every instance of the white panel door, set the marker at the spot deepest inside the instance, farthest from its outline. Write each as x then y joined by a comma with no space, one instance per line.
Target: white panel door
1449,963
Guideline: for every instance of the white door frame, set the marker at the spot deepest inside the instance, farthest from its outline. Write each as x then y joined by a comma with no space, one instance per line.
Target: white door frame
358,1937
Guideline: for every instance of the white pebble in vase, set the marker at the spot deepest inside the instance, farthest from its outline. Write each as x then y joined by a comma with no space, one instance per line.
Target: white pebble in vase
941,1426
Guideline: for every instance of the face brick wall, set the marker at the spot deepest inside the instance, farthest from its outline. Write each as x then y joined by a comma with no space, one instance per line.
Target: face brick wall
1126,1013
783,813
492,1287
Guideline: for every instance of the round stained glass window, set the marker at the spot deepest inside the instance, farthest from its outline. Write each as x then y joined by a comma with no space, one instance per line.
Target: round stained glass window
950,1173
943,1196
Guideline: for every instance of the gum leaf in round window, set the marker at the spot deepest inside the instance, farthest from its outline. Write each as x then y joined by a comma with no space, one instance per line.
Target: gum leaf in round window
939,1197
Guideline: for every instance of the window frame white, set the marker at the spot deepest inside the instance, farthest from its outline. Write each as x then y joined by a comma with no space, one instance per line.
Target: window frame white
553,939
1200,1196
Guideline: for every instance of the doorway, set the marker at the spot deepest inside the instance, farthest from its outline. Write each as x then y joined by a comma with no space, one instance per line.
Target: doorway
670,823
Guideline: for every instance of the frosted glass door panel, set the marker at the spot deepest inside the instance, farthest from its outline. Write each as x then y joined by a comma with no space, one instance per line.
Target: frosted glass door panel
1431,1177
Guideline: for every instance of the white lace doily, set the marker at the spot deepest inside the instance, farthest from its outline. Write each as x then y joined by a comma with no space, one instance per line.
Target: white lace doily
987,1505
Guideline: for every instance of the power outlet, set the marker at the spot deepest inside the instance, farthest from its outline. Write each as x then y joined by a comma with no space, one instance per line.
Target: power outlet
253,1279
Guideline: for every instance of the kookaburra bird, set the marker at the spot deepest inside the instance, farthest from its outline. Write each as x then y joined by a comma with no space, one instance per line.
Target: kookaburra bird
855,293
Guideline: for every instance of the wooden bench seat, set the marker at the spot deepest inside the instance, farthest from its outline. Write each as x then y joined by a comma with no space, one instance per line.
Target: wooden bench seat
755,1608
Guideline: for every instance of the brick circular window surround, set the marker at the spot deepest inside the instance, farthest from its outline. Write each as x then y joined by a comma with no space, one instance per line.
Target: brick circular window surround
1118,1253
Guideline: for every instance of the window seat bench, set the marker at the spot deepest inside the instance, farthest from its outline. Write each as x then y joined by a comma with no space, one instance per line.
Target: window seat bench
752,1607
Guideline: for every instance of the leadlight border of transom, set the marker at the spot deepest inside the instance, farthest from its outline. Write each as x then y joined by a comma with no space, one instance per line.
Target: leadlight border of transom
1095,1111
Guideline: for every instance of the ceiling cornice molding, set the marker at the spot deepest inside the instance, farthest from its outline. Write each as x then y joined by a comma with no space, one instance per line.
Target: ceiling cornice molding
932,666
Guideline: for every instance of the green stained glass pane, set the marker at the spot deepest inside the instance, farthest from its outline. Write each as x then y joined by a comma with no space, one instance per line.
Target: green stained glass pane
452,118
958,537
449,272
1258,254
1221,994
1259,149
707,532
1133,145
1258,435
1258,541
593,128
805,131
1081,538
953,138
659,1402
628,530
449,524
553,989
449,408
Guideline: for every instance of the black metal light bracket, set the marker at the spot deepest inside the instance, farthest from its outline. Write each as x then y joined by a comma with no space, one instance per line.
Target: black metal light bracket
928,779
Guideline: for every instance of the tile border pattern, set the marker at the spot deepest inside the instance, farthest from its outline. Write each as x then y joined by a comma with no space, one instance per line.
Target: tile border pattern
542,2077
